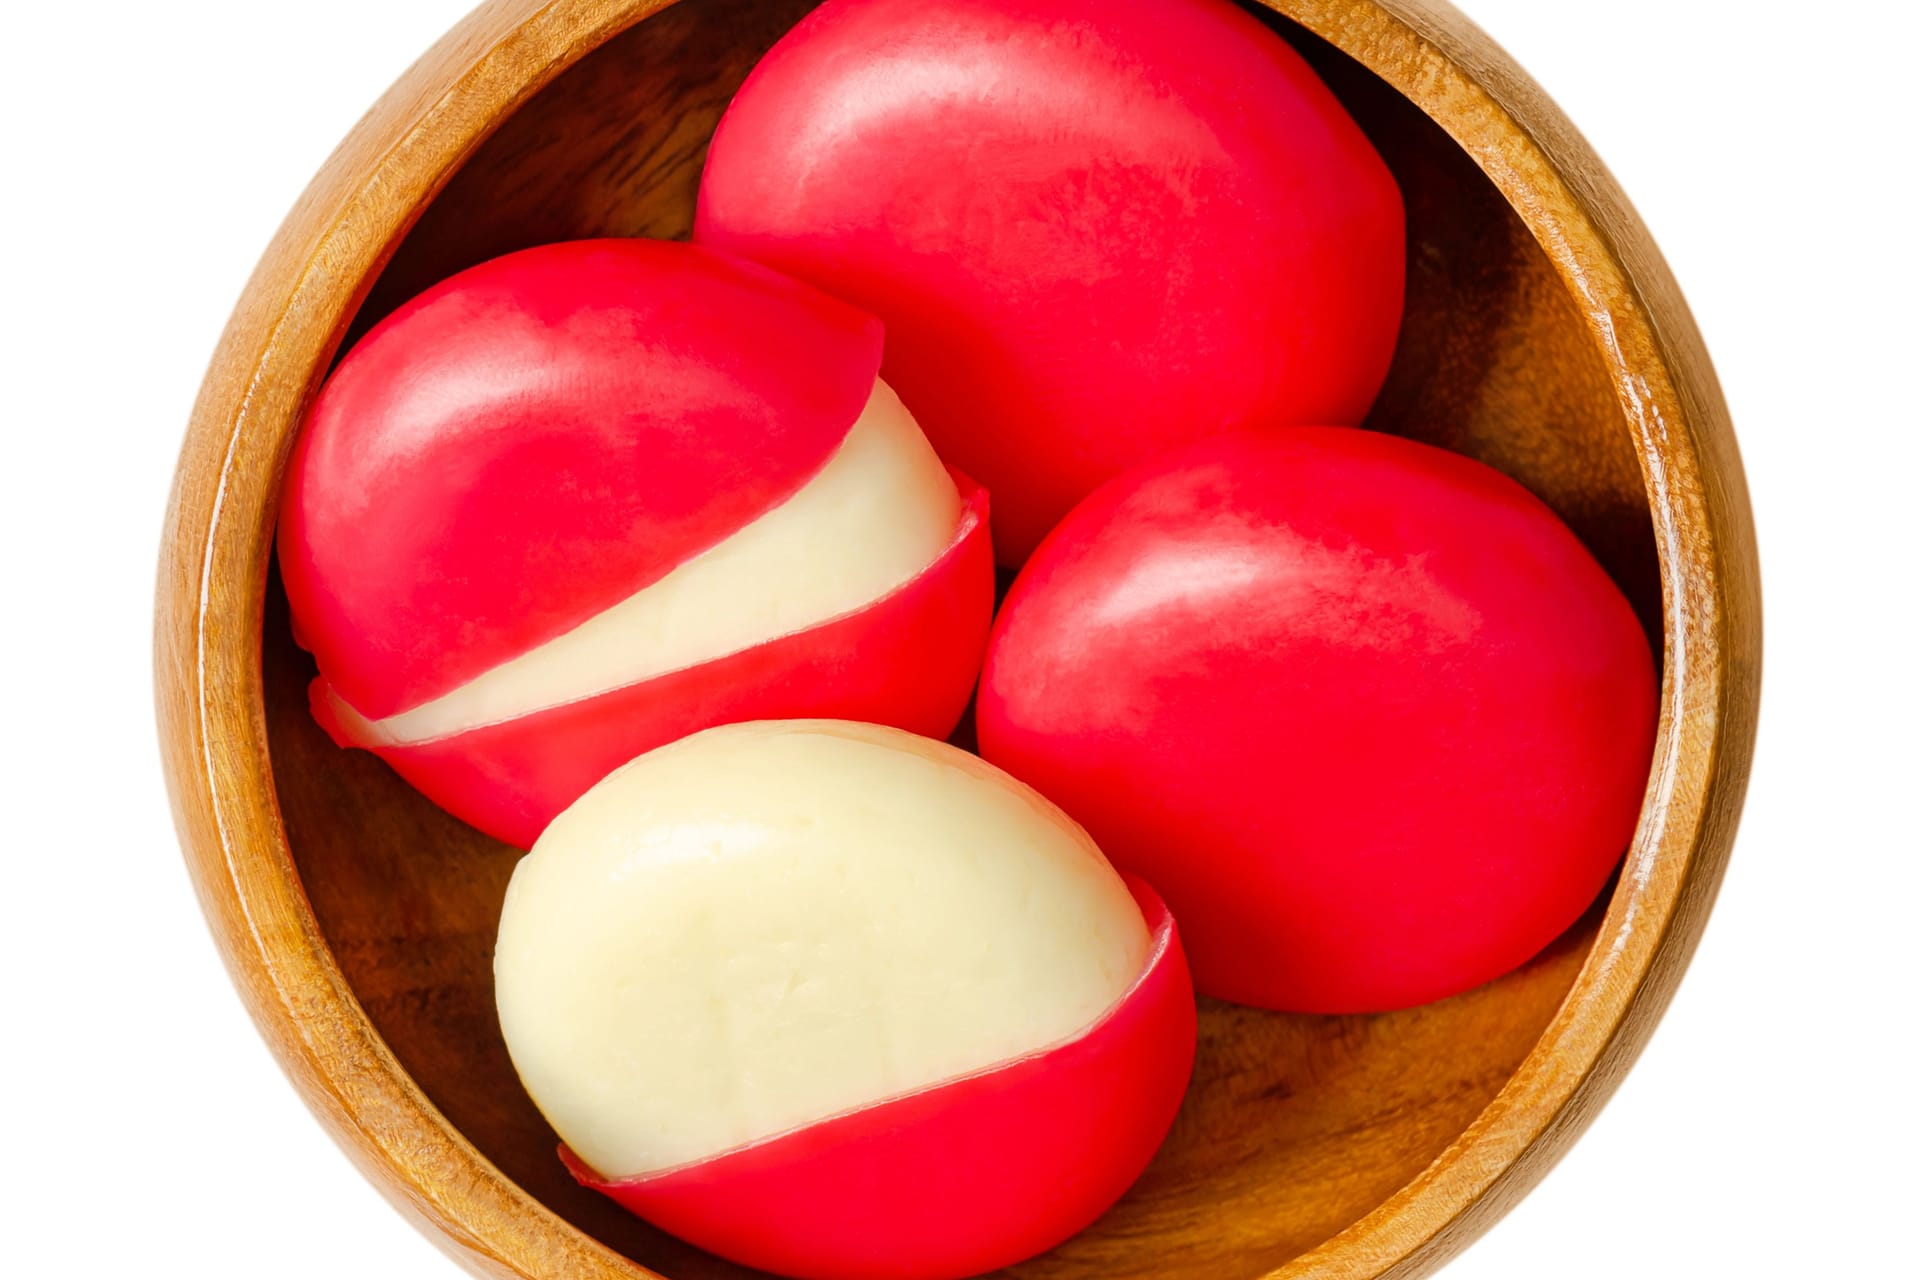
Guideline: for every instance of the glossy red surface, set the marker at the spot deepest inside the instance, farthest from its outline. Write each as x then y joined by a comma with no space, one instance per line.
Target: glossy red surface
1365,711
959,1178
539,437
1093,230
908,659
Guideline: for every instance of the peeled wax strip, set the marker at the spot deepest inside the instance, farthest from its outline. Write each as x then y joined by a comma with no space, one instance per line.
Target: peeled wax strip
881,510
764,925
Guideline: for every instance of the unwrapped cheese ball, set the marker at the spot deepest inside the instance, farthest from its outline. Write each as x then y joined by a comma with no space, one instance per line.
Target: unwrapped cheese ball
837,1001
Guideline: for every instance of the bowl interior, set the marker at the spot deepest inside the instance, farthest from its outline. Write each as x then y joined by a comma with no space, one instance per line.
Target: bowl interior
1295,1126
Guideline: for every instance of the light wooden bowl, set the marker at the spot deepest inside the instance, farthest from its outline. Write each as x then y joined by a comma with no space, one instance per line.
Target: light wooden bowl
1543,334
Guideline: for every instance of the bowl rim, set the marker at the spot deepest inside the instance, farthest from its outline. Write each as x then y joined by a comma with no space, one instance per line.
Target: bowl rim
218,539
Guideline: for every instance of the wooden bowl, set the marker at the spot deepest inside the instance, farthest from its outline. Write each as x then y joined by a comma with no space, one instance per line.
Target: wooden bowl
1543,335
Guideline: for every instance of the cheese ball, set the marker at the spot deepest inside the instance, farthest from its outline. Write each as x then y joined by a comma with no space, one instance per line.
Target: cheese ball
833,1000
584,499
1094,231
1365,711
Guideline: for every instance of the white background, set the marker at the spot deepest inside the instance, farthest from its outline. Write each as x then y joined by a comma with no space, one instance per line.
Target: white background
153,148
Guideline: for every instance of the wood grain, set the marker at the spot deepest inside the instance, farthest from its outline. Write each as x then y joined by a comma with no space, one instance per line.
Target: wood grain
1544,335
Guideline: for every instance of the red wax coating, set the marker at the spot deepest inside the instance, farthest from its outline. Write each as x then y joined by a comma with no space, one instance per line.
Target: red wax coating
958,1178
907,659
1094,231
1365,711
539,437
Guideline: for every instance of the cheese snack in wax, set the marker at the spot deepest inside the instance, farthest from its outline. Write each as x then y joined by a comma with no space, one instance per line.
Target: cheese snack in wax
584,499
836,1001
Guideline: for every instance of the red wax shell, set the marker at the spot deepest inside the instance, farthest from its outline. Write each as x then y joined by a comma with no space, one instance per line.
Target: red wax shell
1094,231
1365,711
907,659
541,436
959,1178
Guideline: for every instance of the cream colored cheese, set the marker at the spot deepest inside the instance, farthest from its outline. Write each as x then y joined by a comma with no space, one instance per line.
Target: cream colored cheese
878,513
768,924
